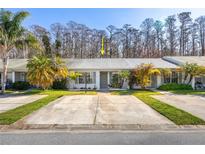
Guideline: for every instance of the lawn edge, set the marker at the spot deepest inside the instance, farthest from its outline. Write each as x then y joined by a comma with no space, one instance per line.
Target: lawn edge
195,120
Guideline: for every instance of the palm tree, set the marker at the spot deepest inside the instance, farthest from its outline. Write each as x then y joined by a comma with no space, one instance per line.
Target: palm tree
43,71
40,72
11,33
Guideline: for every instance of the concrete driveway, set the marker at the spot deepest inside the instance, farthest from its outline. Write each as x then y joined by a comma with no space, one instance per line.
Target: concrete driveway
127,109
8,102
66,110
97,109
190,103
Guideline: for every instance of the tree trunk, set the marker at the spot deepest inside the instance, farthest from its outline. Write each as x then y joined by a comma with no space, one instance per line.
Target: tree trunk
185,77
4,77
190,79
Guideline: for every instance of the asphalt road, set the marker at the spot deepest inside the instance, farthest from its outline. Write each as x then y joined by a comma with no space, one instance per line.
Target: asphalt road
105,138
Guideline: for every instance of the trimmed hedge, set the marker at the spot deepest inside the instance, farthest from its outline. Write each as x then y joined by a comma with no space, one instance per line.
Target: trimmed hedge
175,86
20,85
59,84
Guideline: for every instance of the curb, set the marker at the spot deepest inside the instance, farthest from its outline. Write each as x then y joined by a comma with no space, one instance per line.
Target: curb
101,127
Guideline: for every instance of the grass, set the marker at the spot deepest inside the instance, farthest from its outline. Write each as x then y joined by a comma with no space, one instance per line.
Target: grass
18,113
59,92
189,92
176,115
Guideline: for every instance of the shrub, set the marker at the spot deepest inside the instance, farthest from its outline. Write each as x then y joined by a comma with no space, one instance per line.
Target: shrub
132,79
175,86
143,73
20,85
59,84
116,81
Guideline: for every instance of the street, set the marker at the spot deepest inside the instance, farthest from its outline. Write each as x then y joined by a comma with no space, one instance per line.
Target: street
105,138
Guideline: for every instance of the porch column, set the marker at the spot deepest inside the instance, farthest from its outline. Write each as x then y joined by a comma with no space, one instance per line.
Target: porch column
108,78
98,80
159,81
193,83
178,76
182,77
13,77
1,77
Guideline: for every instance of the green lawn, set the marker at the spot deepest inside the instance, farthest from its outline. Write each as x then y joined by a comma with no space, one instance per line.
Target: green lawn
59,92
13,115
176,115
189,92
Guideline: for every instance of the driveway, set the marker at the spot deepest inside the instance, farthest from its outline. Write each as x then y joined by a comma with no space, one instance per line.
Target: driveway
127,109
97,109
8,102
67,110
190,103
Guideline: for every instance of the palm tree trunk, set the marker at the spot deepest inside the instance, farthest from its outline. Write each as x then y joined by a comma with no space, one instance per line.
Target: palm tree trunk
5,67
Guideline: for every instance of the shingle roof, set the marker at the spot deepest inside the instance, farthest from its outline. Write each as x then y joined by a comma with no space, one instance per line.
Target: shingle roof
97,64
116,63
180,60
15,65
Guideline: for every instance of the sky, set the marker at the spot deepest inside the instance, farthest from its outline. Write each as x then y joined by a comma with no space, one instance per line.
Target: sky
99,18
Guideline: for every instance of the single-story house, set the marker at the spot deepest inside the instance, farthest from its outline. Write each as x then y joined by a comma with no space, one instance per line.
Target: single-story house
101,72
181,60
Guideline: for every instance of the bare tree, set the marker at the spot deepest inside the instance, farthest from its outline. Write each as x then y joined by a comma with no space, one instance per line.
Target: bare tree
194,39
112,30
154,38
147,30
185,20
158,26
201,23
57,32
171,32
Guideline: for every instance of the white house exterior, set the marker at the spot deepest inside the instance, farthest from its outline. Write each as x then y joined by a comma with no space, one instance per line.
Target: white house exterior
181,60
101,71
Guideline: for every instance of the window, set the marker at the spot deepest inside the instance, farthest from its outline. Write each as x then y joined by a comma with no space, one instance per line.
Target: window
167,79
171,78
9,77
114,76
90,78
174,77
22,76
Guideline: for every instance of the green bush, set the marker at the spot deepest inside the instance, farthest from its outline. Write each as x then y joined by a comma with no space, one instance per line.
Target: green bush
175,86
59,84
20,85
116,81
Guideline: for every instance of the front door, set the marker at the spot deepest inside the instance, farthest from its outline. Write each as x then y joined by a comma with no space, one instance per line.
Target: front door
103,80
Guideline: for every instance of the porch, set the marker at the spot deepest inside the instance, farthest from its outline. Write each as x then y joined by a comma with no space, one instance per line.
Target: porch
106,80
13,77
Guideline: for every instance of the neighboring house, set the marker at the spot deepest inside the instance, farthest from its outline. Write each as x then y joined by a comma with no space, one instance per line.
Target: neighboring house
101,72
16,70
181,60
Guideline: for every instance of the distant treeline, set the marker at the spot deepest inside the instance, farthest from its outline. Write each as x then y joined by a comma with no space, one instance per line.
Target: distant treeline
176,35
